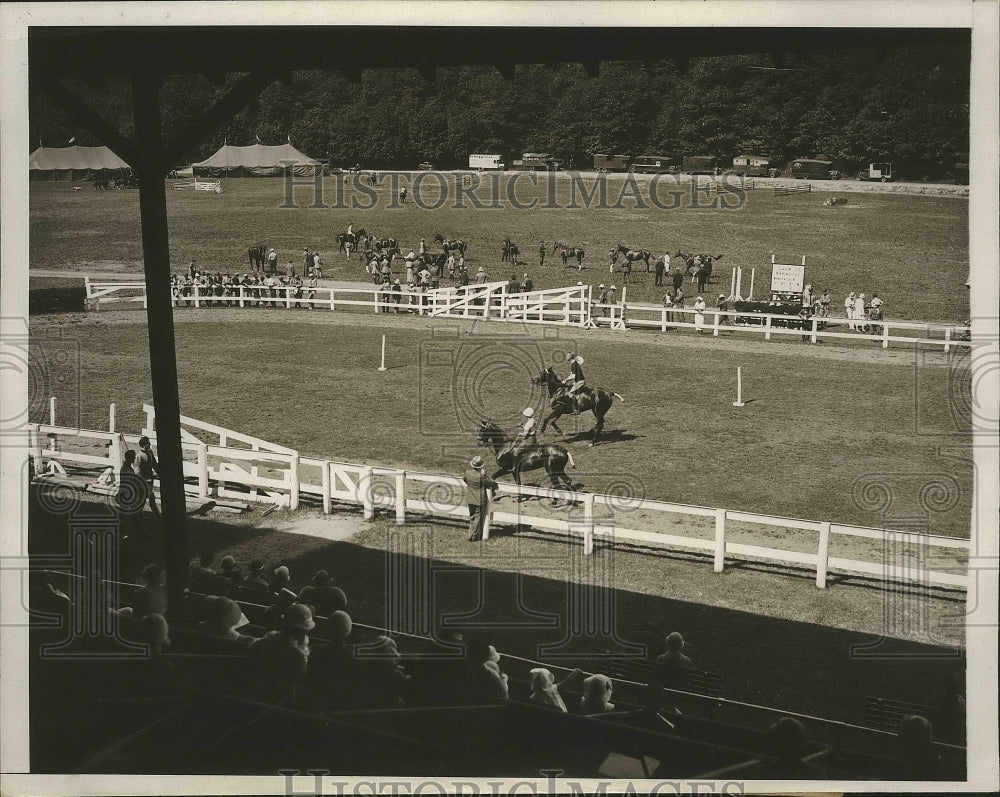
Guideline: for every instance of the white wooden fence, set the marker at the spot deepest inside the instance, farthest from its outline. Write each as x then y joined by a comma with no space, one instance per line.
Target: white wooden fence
572,306
281,476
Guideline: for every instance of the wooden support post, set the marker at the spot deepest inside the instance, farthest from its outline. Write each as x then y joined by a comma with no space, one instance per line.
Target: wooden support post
365,485
767,329
36,449
203,471
588,523
242,296
823,555
815,323
117,451
327,488
487,516
400,497
947,339
720,541
112,412
293,475
715,326
197,294
52,422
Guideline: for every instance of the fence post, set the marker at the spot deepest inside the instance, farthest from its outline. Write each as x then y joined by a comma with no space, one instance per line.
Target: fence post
588,523
400,497
86,288
663,319
293,472
241,296
715,326
288,297
197,294
112,411
823,556
333,304
36,449
767,328
365,483
203,471
720,540
815,323
117,452
327,498
487,515
52,422
947,339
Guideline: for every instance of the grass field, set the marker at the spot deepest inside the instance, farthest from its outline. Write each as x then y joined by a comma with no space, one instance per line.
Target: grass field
912,250
820,424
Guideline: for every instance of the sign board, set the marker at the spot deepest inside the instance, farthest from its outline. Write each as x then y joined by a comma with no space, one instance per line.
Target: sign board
787,279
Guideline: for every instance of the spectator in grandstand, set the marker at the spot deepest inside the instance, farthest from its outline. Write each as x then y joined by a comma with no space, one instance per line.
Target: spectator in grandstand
322,595
255,582
154,631
222,619
280,579
200,572
228,569
947,710
545,690
271,617
486,680
784,747
596,695
281,657
151,597
919,759
332,678
381,678
670,666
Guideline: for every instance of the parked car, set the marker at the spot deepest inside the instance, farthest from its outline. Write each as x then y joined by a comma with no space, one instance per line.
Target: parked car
425,166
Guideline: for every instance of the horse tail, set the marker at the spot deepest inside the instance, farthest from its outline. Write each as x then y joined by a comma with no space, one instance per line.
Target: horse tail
569,457
619,395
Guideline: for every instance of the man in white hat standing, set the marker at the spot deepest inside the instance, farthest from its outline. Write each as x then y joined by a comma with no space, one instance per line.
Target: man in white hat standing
479,489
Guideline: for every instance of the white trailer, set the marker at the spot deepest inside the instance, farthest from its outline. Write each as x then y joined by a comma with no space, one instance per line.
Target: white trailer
481,162
878,171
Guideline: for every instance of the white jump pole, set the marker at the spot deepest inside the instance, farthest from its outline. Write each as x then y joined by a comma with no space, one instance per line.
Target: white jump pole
382,366
739,388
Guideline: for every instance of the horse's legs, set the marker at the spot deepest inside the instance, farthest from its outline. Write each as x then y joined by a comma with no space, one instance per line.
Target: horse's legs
597,428
551,418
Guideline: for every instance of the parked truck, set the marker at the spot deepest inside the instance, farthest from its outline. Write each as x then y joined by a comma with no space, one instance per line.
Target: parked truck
806,168
700,164
752,165
653,164
877,171
483,162
612,163
538,161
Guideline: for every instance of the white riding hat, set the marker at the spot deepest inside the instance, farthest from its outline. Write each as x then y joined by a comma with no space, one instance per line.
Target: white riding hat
528,412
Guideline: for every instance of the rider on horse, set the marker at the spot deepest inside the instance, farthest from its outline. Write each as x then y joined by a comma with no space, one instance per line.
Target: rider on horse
525,438
574,383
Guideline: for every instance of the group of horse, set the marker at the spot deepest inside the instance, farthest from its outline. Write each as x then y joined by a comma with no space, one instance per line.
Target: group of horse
509,252
696,265
552,457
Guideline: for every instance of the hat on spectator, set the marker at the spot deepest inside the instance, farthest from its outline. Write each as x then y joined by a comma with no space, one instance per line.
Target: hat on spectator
225,613
321,577
143,441
340,625
722,296
601,285
675,641
256,566
282,572
528,412
612,287
228,563
298,617
476,462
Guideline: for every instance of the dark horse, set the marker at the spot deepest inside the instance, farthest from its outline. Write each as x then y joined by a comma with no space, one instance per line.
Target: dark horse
551,457
509,251
351,238
455,244
257,254
634,255
567,252
593,399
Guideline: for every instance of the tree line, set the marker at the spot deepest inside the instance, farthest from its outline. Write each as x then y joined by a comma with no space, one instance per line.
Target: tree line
910,107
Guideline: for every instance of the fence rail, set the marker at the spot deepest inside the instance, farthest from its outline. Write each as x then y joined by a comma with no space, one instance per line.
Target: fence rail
572,306
785,190
282,477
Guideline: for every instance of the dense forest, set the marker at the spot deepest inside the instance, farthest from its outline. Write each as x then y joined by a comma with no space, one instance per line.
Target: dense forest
910,106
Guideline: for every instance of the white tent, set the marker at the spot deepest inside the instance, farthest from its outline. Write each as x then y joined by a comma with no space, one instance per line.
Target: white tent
258,160
72,163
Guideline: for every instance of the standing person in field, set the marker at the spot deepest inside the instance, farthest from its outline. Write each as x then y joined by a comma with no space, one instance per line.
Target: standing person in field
272,261
146,461
722,305
849,310
860,312
526,284
479,491
824,304
699,315
541,254
660,266
676,280
130,498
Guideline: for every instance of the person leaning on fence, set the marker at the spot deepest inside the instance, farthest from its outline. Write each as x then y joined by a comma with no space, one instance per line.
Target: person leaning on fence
147,465
479,491
805,316
722,306
699,314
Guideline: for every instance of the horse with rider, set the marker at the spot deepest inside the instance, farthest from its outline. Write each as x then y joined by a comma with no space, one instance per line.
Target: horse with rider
571,395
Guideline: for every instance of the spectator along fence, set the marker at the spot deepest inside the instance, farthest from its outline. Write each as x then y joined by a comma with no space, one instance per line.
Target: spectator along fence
223,463
569,306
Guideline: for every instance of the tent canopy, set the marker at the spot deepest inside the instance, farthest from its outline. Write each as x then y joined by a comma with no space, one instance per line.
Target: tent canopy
258,160
72,163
